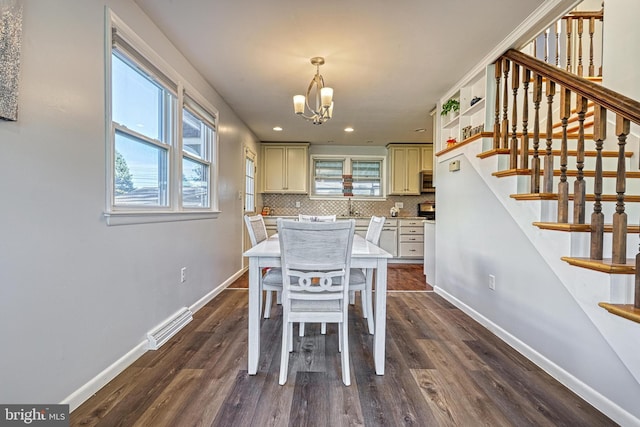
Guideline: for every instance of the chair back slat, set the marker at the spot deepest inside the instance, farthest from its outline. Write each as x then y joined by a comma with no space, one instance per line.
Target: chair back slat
256,228
375,229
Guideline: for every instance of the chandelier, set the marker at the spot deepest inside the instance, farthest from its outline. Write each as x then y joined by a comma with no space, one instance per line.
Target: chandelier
321,106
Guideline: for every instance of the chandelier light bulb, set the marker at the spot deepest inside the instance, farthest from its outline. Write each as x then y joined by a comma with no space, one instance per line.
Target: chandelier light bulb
326,94
298,104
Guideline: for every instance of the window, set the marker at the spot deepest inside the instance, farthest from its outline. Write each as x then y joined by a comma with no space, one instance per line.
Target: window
366,175
162,138
198,134
327,179
141,135
367,178
250,181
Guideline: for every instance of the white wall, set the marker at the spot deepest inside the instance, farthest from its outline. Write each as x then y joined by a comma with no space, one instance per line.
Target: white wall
620,47
476,236
76,294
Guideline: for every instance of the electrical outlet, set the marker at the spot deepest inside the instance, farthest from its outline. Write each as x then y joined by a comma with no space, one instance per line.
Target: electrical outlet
183,274
492,282
297,204
399,205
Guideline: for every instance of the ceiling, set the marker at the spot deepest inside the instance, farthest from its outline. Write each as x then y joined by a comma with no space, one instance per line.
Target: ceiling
389,62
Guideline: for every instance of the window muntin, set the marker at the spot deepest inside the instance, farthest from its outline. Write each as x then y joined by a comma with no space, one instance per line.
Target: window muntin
153,168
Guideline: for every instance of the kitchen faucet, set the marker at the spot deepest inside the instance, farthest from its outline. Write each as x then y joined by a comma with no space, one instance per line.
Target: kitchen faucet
351,211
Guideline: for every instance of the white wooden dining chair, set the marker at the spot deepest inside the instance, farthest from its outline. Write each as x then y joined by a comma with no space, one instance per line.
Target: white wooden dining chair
362,279
316,263
315,218
271,280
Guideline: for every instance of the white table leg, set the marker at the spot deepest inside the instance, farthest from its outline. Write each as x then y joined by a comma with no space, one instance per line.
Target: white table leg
253,352
381,316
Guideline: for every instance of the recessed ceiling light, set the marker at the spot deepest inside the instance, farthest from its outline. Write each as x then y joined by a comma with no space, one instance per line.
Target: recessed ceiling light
349,129
277,129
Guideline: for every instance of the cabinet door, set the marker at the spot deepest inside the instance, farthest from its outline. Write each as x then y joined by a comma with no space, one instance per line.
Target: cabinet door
296,178
427,158
284,169
413,171
273,165
398,170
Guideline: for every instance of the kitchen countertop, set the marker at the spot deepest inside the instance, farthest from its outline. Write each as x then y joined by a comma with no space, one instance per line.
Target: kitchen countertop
349,217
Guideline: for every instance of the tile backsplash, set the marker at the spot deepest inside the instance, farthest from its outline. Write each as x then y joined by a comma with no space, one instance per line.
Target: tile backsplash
285,205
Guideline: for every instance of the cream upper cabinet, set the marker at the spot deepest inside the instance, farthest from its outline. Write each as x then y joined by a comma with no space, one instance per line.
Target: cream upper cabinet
405,168
285,168
427,157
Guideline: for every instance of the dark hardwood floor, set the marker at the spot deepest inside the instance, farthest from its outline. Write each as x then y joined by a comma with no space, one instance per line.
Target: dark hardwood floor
442,369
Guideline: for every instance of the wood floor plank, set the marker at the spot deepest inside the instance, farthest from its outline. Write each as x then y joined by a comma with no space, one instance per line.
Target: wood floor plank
468,402
167,408
310,400
442,369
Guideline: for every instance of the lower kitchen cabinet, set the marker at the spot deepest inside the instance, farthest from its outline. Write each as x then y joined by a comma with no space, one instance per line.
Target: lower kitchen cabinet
411,238
389,237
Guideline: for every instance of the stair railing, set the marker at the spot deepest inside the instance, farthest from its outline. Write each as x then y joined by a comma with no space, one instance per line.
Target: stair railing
563,41
515,66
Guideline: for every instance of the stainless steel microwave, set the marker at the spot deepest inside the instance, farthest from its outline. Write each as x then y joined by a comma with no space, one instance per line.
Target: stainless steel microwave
426,180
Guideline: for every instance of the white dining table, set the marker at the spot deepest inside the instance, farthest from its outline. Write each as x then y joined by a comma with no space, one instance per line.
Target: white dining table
363,255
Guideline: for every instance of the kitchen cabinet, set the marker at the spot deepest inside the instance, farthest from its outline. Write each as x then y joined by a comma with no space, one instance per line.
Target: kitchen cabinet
411,238
427,158
430,252
284,168
405,165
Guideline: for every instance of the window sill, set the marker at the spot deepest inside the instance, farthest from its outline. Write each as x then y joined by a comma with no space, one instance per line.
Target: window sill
126,218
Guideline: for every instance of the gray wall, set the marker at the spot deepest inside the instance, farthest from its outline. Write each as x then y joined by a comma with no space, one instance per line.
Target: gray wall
75,294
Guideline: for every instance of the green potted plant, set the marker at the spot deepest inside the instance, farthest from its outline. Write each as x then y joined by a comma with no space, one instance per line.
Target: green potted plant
452,105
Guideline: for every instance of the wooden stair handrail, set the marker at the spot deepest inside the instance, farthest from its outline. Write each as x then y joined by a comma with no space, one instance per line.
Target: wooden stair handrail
607,98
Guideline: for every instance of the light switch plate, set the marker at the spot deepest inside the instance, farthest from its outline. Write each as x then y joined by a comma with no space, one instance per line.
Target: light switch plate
399,205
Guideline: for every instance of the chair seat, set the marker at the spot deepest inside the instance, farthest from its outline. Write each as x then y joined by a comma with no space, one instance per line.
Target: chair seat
273,278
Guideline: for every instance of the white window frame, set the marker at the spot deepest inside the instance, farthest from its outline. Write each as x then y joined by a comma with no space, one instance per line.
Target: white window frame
174,211
348,159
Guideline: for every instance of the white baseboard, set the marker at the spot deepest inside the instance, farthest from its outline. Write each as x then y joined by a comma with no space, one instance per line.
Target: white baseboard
211,295
602,403
78,397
